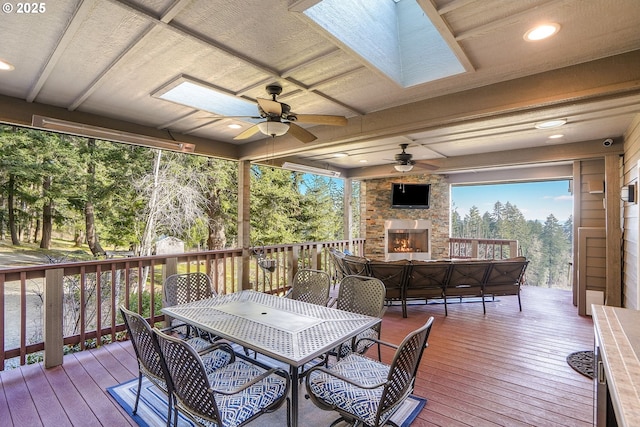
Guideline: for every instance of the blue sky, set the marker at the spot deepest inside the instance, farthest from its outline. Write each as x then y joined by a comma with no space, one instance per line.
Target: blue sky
536,200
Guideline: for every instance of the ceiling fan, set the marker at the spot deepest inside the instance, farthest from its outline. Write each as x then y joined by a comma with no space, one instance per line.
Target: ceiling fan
279,119
405,163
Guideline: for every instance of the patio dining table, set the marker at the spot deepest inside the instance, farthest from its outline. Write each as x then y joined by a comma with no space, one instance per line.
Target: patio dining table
290,331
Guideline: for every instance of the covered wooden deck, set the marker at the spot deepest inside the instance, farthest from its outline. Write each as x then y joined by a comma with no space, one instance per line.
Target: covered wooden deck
505,368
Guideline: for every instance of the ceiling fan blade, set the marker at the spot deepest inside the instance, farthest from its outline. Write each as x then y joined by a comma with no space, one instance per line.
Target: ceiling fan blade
270,107
321,119
301,133
227,117
426,166
248,133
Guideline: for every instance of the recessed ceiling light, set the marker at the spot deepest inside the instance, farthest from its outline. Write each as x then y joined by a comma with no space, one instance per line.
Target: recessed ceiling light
549,124
5,66
337,155
363,161
556,136
541,32
235,126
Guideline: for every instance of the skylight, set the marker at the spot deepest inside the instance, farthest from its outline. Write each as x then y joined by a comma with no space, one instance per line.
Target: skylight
395,36
203,97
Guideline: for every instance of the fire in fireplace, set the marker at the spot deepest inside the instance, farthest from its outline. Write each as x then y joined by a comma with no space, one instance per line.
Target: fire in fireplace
407,239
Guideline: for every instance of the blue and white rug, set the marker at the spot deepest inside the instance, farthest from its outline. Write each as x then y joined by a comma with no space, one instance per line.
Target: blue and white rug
152,409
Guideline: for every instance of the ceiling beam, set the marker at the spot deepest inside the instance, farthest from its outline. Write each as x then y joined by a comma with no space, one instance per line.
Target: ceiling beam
612,77
529,156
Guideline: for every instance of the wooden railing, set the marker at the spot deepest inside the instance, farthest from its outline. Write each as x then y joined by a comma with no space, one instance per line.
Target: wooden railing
54,306
483,248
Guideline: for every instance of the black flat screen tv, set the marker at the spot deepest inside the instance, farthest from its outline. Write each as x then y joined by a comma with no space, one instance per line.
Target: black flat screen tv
410,196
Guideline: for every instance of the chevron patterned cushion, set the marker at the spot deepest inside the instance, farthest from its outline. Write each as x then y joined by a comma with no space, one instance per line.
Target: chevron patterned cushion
237,408
212,360
355,400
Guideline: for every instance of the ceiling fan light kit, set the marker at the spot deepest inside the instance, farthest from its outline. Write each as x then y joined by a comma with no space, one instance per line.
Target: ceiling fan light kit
403,168
273,129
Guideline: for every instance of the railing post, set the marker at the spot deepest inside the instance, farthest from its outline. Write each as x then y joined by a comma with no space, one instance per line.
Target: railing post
170,267
295,255
315,257
53,334
513,249
474,249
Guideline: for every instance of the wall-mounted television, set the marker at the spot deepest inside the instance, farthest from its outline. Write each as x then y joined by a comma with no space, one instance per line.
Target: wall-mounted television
410,196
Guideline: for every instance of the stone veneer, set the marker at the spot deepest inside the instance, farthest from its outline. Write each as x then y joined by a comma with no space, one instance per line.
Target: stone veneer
376,209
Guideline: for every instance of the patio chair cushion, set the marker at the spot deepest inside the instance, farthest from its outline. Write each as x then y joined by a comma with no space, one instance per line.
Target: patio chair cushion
359,401
237,408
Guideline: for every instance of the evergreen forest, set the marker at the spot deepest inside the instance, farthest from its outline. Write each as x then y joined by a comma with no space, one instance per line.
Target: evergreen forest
103,196
547,246
113,196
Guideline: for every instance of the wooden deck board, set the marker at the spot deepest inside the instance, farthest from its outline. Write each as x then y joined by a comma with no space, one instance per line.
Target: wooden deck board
505,368
44,397
76,409
22,409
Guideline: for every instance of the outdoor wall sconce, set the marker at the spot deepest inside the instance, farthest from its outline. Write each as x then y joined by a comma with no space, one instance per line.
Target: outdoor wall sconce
628,193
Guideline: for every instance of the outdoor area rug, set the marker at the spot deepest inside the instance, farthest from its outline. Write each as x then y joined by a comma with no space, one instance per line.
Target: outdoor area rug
582,362
152,409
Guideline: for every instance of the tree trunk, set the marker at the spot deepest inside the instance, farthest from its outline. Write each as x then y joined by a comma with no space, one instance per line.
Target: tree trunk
146,244
47,217
92,238
78,238
217,238
89,217
13,227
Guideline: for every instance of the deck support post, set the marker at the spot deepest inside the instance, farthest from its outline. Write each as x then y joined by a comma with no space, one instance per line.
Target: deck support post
53,312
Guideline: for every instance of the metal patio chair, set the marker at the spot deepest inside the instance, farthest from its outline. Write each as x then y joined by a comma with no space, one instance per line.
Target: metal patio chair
365,391
310,286
150,361
231,395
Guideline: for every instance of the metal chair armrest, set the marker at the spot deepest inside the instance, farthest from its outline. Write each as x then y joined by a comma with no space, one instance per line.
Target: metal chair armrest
328,371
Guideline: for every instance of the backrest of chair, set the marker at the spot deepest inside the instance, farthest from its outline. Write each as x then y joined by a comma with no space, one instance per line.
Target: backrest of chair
311,286
356,265
186,287
190,382
404,368
362,295
393,274
144,345
506,273
468,273
337,258
427,278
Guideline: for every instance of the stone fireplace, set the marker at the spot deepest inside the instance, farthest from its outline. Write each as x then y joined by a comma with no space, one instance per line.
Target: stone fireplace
407,239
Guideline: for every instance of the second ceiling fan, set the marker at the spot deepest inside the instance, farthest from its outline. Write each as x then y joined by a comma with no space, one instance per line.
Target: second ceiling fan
279,119
404,161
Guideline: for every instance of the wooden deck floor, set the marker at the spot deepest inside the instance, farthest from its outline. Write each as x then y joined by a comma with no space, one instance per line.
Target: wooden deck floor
505,368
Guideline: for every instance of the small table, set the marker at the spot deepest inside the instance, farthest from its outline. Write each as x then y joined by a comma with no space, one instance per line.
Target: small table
287,330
